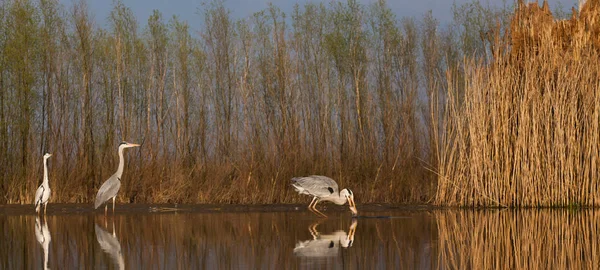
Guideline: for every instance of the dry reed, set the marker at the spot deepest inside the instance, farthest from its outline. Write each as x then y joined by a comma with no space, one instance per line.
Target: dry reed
525,132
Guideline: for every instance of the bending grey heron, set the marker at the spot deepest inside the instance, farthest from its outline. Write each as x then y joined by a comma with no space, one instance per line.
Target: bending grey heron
323,188
325,245
42,234
42,194
110,188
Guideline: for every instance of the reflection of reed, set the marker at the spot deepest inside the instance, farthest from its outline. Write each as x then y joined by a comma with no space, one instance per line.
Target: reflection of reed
447,239
548,239
186,240
526,239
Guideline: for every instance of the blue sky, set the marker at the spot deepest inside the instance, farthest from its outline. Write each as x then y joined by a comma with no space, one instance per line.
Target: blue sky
188,9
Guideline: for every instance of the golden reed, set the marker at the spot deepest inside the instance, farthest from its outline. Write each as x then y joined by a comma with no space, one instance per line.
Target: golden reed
525,131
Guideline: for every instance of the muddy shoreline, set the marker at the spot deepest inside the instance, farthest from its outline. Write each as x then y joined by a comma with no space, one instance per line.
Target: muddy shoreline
73,208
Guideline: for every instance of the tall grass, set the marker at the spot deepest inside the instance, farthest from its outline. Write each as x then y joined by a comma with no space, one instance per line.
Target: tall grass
525,131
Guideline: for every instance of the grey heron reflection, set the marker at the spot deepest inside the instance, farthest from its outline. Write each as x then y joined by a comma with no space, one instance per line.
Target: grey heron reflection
325,245
110,245
42,234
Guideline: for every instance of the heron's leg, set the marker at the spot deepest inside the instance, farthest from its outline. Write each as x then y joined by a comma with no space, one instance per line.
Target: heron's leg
313,230
311,203
313,207
114,204
105,207
317,211
352,229
45,205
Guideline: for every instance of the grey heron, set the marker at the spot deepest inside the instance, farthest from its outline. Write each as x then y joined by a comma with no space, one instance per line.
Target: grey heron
110,188
325,245
110,244
42,194
323,188
42,234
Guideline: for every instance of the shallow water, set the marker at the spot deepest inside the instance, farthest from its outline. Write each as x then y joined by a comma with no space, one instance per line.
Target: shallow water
147,237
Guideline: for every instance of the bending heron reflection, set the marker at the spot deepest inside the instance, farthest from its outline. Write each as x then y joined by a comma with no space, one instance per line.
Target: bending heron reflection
323,188
42,234
42,194
325,245
110,244
110,188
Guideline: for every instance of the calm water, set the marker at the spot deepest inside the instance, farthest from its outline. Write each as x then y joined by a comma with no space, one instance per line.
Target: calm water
408,239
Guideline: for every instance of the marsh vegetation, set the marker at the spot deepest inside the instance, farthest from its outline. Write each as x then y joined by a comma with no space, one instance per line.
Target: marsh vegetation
498,107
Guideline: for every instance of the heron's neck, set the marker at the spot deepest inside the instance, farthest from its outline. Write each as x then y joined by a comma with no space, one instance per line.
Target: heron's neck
46,257
45,172
339,200
121,163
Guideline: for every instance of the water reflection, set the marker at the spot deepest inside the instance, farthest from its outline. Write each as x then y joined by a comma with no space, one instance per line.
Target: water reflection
42,234
110,244
523,239
434,239
325,245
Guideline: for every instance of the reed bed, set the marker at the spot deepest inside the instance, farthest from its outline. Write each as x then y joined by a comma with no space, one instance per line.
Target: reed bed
524,131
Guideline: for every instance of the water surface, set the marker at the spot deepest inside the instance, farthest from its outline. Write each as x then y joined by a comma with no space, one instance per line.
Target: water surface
284,237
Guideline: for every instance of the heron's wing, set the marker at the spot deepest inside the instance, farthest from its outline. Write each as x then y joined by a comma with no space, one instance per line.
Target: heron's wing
107,241
46,194
38,231
108,190
317,185
38,195
110,244
317,248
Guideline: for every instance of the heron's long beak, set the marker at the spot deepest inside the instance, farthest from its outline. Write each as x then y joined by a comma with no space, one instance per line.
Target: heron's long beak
49,155
352,206
134,145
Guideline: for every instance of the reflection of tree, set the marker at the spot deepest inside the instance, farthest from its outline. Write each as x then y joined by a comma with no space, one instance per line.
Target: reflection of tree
110,244
325,245
42,234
